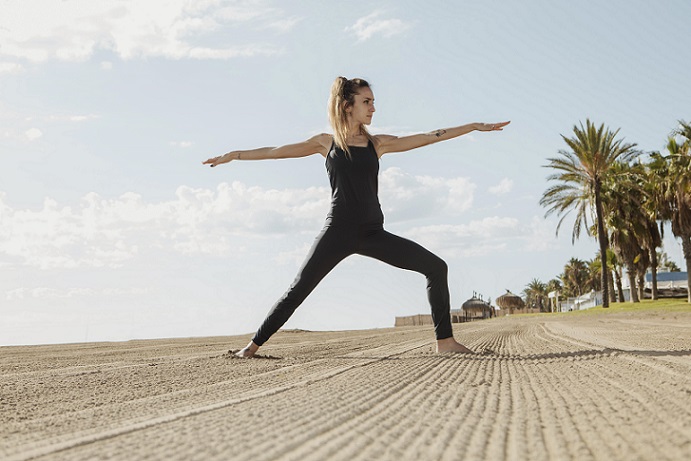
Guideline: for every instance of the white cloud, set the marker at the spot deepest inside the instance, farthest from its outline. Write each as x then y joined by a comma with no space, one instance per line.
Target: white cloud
477,238
73,30
61,293
33,133
504,187
181,144
404,196
106,65
284,25
69,118
101,232
488,235
10,68
370,25
541,235
234,220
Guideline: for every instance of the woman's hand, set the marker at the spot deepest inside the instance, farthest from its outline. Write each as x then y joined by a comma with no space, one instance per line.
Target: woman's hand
221,159
491,126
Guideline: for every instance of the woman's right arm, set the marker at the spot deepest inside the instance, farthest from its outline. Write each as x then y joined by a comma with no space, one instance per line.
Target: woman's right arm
318,144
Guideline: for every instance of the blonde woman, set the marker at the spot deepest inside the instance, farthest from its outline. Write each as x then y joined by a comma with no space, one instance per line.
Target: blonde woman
354,224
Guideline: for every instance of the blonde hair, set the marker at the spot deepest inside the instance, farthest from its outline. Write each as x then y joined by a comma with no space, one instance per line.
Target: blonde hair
342,96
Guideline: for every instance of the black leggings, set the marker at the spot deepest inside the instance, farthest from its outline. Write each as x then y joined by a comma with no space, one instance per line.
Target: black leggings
334,244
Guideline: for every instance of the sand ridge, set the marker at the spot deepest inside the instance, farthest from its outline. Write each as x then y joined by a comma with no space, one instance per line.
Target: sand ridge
604,387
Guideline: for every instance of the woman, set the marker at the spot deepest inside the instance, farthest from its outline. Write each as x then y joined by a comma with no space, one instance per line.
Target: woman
354,224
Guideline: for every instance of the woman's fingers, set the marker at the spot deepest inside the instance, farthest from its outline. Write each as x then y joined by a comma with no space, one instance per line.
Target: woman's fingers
494,126
215,161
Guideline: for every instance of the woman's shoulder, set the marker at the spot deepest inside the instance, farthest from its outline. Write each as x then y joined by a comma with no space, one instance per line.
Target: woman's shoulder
325,139
379,141
323,142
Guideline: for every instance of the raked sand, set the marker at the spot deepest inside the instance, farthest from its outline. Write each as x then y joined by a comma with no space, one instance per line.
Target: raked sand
559,387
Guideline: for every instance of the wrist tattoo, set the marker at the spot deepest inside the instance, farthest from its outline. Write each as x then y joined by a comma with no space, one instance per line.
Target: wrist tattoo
439,133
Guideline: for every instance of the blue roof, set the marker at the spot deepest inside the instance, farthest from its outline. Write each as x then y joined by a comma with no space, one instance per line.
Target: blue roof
667,277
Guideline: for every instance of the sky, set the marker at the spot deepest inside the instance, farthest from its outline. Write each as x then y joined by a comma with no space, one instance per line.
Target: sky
111,228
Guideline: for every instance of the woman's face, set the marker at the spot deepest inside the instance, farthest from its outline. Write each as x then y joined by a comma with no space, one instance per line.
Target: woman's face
363,108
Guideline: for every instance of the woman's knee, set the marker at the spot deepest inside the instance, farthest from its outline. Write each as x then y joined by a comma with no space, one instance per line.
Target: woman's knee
438,266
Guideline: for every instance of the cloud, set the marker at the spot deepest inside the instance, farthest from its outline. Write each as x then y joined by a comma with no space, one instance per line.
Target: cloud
9,68
284,25
541,235
371,25
61,293
504,187
181,144
33,133
100,232
235,220
73,30
404,196
477,238
70,118
488,235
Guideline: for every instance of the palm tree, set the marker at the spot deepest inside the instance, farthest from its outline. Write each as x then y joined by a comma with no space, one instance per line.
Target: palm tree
667,264
554,285
683,130
625,219
581,172
536,294
631,213
575,277
614,263
652,236
675,190
594,274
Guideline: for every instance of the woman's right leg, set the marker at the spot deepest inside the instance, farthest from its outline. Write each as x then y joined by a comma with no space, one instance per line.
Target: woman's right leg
331,246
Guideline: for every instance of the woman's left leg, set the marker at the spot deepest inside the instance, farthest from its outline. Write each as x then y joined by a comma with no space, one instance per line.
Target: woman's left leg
406,254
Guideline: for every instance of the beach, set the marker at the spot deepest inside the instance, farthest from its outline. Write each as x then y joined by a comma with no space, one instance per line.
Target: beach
593,386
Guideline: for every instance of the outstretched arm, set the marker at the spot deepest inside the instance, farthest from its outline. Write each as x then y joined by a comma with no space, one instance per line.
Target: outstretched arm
318,144
387,143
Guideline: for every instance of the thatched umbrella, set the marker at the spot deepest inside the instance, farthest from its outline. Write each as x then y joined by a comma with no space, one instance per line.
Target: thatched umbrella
510,301
474,305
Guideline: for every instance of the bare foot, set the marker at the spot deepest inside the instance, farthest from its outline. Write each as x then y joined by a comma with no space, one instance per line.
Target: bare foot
450,345
248,352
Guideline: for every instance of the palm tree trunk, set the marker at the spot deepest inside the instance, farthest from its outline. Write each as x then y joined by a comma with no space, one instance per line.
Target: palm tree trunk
612,294
633,292
620,289
653,268
602,238
686,248
641,286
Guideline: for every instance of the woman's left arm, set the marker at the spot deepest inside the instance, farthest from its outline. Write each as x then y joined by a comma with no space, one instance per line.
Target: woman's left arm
388,143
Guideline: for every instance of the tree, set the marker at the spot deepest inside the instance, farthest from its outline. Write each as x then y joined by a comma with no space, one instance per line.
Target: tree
580,174
675,190
594,274
614,263
536,294
667,264
575,277
555,286
625,219
652,236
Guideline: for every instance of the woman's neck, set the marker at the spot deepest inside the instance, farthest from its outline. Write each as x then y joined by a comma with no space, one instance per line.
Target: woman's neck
355,134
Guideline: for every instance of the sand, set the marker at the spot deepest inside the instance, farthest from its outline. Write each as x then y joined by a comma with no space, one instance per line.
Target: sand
547,387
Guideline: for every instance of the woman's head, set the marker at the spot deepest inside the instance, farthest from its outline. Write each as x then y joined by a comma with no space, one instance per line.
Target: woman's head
351,105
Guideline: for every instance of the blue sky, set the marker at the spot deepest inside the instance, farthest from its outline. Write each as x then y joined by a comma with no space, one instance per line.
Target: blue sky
111,229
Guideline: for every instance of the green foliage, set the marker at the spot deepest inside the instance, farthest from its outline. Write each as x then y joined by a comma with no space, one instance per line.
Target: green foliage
535,294
581,171
601,179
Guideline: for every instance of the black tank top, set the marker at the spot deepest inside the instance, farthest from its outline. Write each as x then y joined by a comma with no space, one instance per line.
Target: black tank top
354,186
